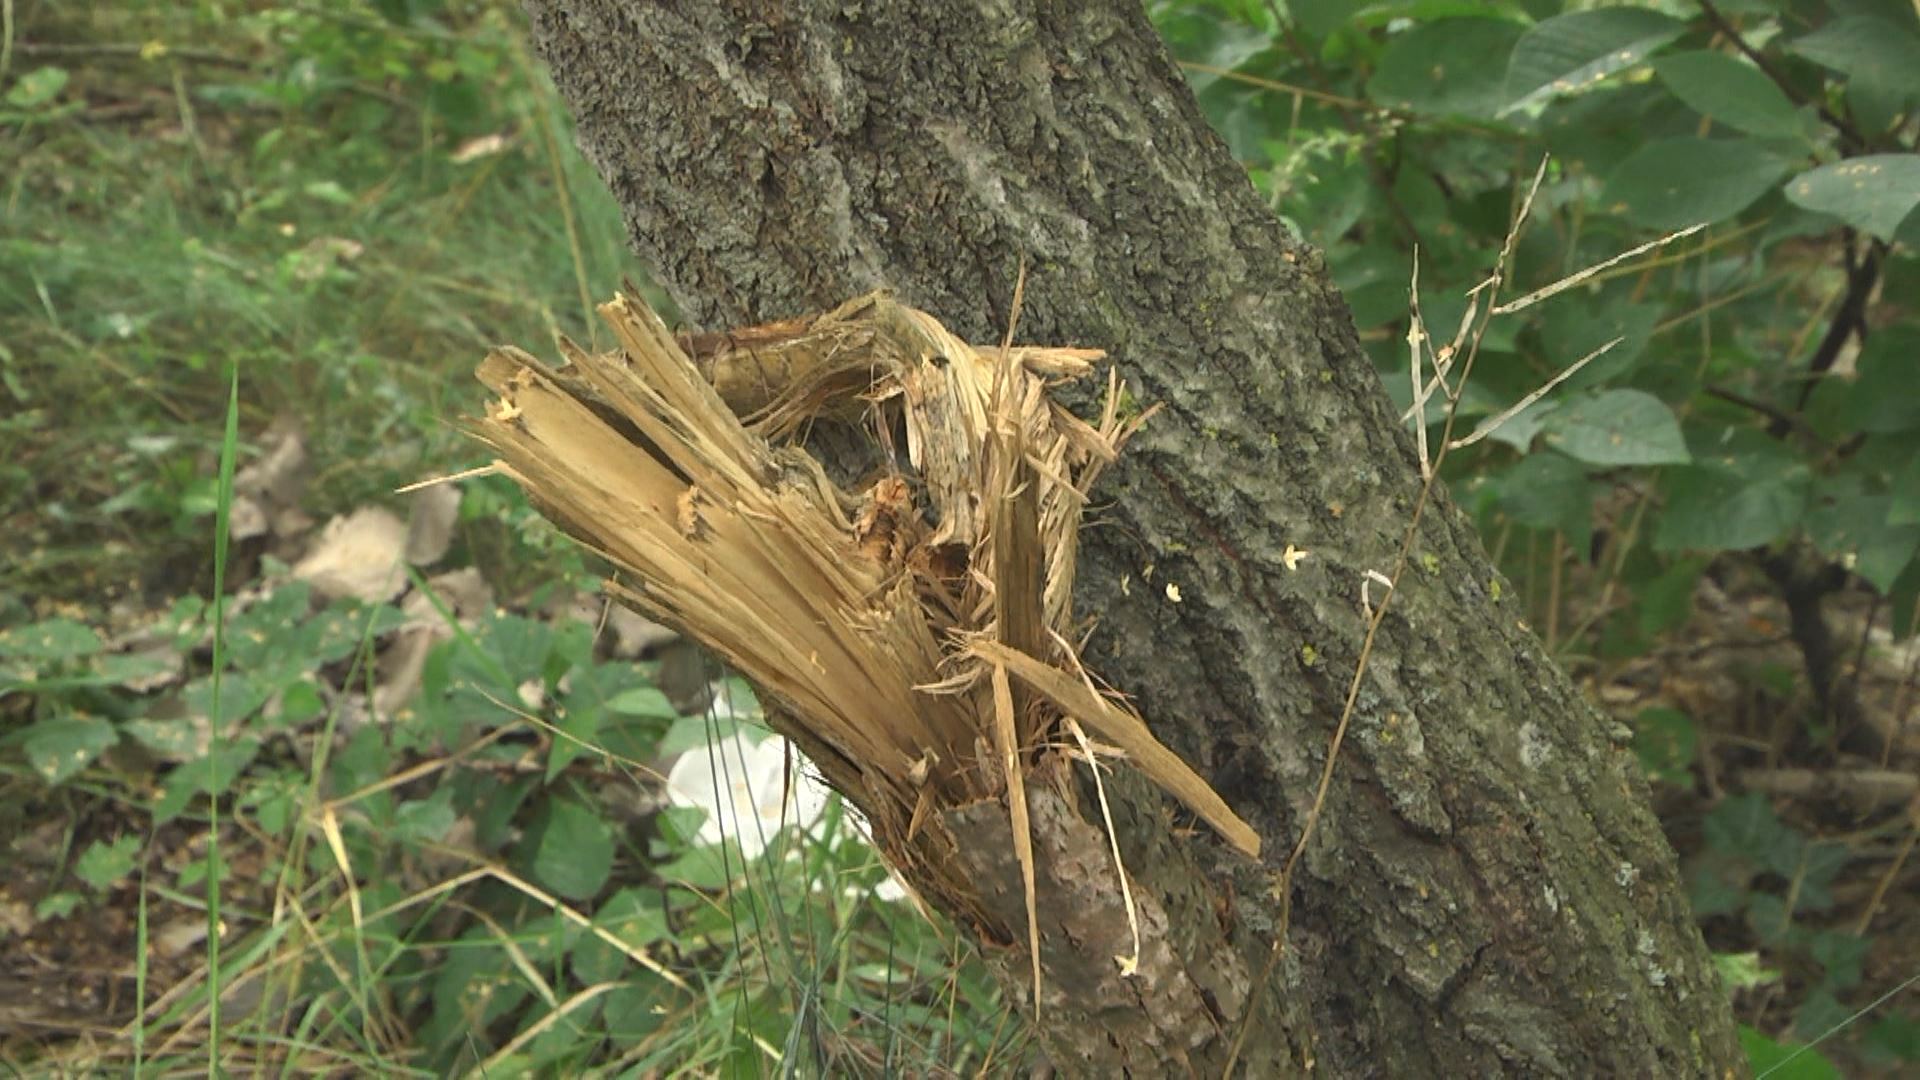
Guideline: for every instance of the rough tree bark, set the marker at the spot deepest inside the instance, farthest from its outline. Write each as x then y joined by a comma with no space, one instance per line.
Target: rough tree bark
1488,891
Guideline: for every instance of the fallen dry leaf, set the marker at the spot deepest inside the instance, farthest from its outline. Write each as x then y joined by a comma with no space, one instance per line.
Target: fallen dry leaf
266,494
430,519
463,593
357,555
624,633
476,148
635,635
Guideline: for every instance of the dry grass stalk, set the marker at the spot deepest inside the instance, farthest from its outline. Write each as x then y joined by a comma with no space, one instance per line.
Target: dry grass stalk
911,637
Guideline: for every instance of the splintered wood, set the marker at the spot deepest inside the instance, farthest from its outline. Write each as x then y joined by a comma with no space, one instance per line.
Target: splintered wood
914,638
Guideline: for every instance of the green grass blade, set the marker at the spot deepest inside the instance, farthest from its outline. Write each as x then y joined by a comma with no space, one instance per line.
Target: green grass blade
229,445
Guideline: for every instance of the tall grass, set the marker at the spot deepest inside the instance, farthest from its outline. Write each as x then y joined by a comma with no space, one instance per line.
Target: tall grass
315,212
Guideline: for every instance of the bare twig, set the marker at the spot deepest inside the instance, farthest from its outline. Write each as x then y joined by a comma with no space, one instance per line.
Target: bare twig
1488,427
1416,339
129,51
1771,412
1571,280
1276,85
1893,871
1865,790
6,38
1284,887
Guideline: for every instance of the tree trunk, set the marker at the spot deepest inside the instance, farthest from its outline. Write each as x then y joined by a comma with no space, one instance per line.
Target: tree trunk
1488,891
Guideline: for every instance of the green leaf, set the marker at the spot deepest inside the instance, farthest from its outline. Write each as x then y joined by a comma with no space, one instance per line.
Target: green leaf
56,906
642,701
1853,527
182,626
679,826
195,872
1769,918
1667,600
1729,91
213,777
270,627
338,631
502,651
426,819
1784,1061
498,810
1665,741
1818,865
1572,52
579,732
1675,183
1841,953
119,669
1873,194
1617,427
469,986
1205,37
1903,603
1744,826
1896,1038
1519,429
1715,510
1882,398
1572,332
574,853
54,639
572,650
637,1010
228,760
1819,1013
1320,17
706,867
634,916
104,863
1743,971
173,740
1549,491
1374,279
1743,495
1440,68
275,800
1716,886
1869,50
60,746
300,701
1906,496
696,733
329,191
591,710
37,87
240,697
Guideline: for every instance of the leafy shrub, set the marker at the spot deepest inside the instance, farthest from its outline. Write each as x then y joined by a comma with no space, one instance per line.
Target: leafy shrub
1750,418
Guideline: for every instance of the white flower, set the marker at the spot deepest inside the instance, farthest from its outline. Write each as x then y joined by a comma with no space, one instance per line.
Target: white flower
740,782
739,779
891,890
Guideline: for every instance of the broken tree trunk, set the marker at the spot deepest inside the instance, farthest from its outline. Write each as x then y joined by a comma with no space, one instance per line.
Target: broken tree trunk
1487,888
918,647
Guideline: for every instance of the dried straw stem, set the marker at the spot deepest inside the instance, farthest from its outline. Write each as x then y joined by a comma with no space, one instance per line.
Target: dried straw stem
911,637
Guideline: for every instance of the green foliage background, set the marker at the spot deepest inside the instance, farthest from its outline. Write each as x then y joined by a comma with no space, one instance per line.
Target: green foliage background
345,204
